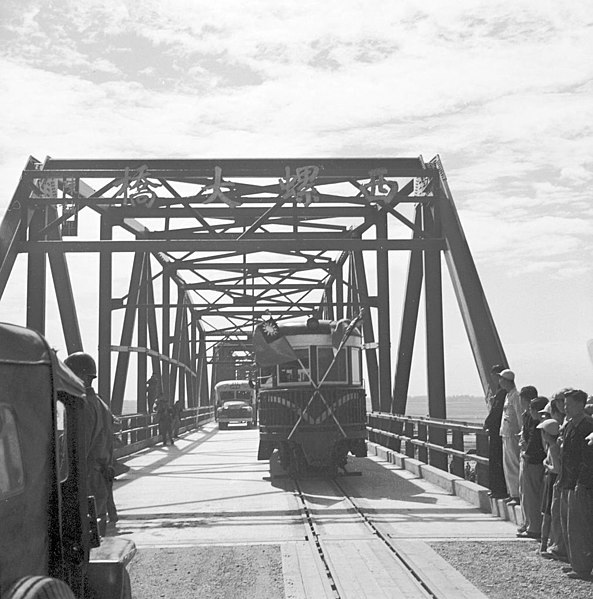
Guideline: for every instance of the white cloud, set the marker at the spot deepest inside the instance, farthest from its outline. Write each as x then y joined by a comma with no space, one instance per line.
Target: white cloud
502,90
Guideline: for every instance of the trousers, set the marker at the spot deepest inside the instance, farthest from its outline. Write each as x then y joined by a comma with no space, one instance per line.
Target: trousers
510,463
580,529
531,480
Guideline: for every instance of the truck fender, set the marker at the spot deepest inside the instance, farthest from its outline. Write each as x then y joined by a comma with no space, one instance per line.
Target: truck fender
39,587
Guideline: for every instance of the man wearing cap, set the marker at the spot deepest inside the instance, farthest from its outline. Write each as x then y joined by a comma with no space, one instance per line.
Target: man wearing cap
510,429
531,473
495,401
576,479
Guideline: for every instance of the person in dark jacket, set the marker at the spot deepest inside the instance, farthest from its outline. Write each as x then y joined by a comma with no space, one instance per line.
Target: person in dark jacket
99,437
576,476
164,413
531,476
495,401
177,411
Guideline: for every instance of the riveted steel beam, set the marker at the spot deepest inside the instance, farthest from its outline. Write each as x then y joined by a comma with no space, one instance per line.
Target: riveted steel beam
244,245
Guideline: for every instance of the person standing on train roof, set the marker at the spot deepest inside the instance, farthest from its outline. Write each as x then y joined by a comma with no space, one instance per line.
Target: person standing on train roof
510,430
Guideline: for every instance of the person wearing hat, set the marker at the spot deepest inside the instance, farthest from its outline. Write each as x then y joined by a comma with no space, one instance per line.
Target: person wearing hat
557,543
495,401
510,430
550,531
99,439
576,482
531,473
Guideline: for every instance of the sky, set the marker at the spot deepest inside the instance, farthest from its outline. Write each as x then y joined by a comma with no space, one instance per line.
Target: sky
501,90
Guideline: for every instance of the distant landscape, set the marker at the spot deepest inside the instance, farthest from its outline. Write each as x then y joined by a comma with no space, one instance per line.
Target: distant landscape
467,408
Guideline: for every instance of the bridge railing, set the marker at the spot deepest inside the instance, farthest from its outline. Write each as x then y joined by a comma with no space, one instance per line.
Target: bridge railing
465,444
136,431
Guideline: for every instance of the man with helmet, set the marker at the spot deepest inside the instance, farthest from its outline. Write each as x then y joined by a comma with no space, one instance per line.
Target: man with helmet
99,436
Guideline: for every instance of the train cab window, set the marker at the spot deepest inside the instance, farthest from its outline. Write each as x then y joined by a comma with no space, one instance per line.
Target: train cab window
338,372
12,478
62,444
356,365
267,375
297,371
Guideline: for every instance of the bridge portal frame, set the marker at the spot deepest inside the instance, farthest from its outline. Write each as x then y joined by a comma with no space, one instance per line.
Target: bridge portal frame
289,237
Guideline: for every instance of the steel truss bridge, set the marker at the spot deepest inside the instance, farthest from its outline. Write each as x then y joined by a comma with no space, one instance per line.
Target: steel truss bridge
207,247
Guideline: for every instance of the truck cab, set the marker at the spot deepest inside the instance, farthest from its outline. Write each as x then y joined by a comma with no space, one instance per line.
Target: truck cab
49,546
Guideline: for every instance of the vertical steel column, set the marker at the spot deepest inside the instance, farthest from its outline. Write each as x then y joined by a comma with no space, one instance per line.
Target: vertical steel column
353,303
166,291
193,396
383,317
204,398
36,271
339,311
177,340
435,360
367,327
104,332
141,400
153,333
328,300
409,325
123,358
182,335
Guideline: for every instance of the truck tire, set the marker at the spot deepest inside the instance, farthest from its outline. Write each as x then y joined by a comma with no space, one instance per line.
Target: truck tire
39,587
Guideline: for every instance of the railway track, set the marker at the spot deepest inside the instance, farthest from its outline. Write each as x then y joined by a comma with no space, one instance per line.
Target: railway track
361,560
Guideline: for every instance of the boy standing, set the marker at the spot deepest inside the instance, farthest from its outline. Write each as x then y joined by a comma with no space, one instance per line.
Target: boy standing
531,474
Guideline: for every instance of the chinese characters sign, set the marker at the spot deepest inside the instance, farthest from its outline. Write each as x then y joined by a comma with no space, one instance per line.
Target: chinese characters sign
137,188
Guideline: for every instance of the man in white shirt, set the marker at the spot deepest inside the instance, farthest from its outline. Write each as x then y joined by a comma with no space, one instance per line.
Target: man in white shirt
510,431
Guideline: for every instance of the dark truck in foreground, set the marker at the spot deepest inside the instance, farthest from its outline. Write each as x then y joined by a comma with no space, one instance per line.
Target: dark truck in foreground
49,541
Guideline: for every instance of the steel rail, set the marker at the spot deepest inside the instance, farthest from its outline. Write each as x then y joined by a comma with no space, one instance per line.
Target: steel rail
376,533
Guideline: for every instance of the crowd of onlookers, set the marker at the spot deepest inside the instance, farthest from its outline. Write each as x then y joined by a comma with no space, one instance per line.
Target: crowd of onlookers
541,459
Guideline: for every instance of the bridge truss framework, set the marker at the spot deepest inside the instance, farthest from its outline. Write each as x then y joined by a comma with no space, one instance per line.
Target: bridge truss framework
218,243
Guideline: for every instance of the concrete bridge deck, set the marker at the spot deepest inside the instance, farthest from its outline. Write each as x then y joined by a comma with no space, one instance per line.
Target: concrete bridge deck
210,520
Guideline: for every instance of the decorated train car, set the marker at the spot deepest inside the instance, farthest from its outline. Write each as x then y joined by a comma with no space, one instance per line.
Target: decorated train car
312,405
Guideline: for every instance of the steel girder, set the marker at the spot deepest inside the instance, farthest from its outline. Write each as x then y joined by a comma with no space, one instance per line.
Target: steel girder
219,243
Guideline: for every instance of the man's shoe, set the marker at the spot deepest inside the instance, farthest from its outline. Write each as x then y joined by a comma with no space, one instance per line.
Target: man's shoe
579,575
557,556
522,528
529,535
566,569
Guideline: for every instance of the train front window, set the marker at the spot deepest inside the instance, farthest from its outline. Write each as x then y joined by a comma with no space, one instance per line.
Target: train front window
297,371
338,372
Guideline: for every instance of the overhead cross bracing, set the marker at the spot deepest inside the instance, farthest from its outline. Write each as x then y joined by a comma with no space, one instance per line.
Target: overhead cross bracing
217,244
